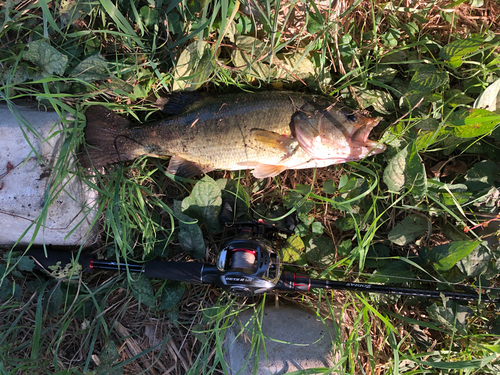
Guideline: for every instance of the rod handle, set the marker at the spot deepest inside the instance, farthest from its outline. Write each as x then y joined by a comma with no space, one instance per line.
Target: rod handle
193,273
53,257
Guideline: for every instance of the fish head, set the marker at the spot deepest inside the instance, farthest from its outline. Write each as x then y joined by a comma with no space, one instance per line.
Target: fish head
337,134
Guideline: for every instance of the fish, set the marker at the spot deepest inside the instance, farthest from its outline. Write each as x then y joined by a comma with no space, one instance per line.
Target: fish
267,132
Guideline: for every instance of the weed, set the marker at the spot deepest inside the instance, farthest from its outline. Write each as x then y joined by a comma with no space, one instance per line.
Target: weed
422,214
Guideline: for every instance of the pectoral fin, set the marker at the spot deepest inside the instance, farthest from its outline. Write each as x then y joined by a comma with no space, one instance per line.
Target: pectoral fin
185,168
267,170
274,140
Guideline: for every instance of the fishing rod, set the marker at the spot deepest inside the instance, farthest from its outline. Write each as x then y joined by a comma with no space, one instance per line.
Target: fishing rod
247,265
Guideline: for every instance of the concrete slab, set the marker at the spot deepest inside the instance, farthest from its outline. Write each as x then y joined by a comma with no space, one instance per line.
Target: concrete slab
294,340
30,142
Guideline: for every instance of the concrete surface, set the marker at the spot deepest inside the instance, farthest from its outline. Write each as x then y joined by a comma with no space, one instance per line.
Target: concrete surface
295,340
25,179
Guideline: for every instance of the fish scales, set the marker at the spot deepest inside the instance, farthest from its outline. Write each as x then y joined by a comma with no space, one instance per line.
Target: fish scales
265,131
218,132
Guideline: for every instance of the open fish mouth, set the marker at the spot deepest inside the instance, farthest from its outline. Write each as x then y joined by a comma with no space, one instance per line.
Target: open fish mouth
338,139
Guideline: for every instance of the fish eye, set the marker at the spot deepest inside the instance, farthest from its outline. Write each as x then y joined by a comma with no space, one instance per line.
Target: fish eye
350,117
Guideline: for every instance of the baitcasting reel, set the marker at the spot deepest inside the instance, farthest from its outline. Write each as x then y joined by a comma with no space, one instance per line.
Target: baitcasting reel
248,264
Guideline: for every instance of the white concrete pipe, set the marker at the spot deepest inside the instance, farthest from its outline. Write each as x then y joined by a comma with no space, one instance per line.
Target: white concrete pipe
30,143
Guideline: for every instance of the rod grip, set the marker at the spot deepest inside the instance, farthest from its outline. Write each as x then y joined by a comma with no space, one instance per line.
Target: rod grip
53,257
193,273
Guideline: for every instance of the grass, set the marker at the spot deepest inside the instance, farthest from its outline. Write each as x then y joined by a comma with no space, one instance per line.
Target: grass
407,216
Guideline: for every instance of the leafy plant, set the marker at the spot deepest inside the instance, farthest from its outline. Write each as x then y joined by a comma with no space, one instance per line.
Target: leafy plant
417,214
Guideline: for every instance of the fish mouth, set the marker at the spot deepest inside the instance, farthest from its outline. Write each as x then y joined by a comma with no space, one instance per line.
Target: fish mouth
352,145
360,132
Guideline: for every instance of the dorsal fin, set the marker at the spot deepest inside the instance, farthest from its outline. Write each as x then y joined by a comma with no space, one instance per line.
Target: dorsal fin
175,102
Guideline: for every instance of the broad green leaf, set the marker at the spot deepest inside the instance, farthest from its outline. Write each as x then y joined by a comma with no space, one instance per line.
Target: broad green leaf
142,290
346,183
303,189
25,264
346,223
171,295
293,199
474,123
173,315
452,316
410,28
306,219
316,229
377,256
391,37
175,25
108,357
393,272
427,78
458,197
6,290
205,203
71,10
427,138
250,55
344,249
329,187
46,57
53,299
293,249
93,68
481,175
456,97
118,86
476,263
194,66
489,99
410,228
381,101
320,251
190,235
14,75
296,66
191,239
385,74
454,51
315,23
446,256
406,170
343,181
150,16
301,230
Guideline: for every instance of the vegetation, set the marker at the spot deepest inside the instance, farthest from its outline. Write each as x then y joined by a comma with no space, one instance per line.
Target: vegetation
422,214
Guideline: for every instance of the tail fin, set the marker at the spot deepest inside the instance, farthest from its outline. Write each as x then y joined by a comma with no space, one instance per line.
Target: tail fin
108,138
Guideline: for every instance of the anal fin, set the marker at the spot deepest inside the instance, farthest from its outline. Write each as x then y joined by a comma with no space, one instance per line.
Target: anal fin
185,168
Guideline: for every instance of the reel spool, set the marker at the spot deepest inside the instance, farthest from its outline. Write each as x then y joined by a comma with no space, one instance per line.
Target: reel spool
248,265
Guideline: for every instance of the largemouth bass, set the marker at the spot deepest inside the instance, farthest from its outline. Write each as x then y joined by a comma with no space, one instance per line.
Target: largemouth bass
268,132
